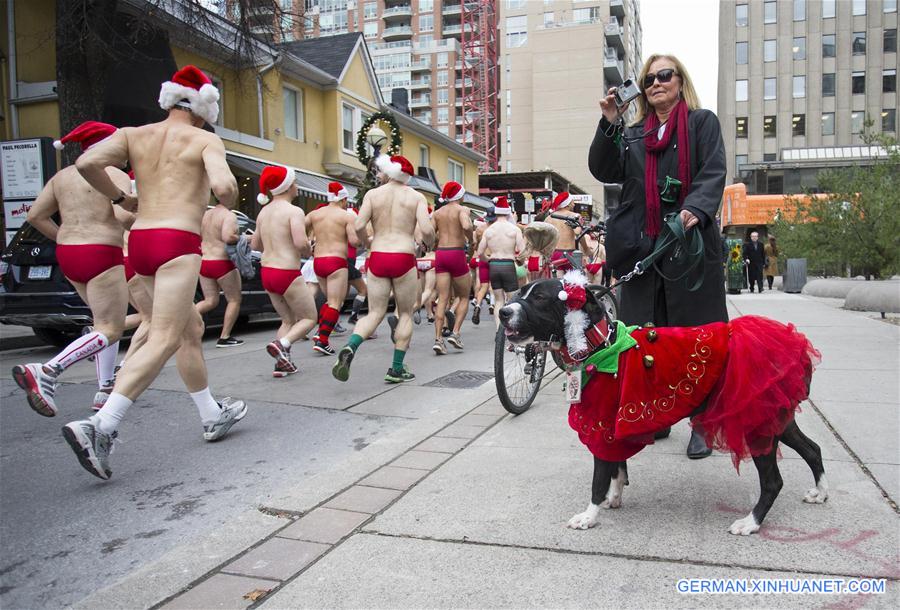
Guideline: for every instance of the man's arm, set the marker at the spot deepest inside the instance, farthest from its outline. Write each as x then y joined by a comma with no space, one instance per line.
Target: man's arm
482,243
298,232
125,218
520,241
221,180
230,229
352,237
92,164
362,220
256,242
465,221
424,223
45,206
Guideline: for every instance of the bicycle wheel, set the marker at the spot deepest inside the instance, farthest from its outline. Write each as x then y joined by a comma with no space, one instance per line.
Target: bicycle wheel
518,370
606,297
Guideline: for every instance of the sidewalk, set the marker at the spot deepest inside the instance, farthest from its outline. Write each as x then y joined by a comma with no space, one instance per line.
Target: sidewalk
471,512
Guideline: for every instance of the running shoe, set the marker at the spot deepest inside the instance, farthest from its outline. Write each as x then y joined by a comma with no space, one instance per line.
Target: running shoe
91,447
232,412
417,316
353,319
283,369
338,330
392,322
323,348
449,323
455,340
101,396
395,376
341,368
476,315
491,309
277,351
439,348
39,387
229,342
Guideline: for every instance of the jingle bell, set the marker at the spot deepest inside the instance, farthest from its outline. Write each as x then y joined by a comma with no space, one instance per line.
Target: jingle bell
648,362
652,336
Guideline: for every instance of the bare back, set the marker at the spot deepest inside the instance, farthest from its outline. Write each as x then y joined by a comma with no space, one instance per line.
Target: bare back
394,210
217,223
87,215
566,239
503,239
453,224
331,225
276,228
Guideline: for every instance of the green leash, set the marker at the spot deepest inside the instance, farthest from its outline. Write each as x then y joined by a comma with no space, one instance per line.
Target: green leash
688,252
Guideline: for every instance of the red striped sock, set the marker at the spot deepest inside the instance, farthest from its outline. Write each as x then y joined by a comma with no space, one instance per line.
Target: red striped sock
327,321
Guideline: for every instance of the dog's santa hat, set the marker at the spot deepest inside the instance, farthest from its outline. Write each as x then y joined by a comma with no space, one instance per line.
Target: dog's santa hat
87,134
336,191
274,180
562,200
396,168
191,88
453,191
501,206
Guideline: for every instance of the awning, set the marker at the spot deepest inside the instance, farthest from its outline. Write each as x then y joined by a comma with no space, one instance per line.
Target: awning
312,185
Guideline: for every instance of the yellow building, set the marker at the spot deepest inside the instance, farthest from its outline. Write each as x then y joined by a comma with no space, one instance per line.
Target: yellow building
299,104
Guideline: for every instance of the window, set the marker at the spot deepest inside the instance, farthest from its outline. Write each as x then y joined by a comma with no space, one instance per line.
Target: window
828,84
740,127
889,119
426,6
443,97
426,39
508,139
441,60
828,9
740,53
741,15
455,171
740,160
347,131
443,78
767,157
890,6
859,7
799,10
370,10
828,48
293,114
516,31
889,81
768,50
799,87
508,103
890,41
740,91
220,86
548,18
426,23
769,12
508,64
798,125
856,121
769,126
769,89
515,4
859,82
799,48
586,15
370,29
859,43
827,123
443,116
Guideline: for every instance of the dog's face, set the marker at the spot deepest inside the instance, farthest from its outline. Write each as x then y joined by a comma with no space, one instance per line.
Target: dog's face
536,314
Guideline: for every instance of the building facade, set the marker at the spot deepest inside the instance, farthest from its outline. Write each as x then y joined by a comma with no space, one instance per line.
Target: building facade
558,59
798,80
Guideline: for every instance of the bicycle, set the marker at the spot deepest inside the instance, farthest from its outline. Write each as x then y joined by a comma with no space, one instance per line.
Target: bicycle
520,369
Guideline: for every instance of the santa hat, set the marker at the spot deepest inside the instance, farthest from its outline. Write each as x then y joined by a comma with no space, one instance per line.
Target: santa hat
191,88
562,200
87,134
453,191
501,206
396,168
274,180
574,295
336,191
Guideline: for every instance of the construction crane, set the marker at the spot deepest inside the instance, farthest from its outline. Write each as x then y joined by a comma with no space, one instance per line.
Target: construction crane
481,81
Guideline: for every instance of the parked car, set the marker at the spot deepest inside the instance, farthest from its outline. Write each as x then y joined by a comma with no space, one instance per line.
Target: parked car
34,292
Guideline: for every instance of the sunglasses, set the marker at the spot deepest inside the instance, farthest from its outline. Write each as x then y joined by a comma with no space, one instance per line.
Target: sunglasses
663,76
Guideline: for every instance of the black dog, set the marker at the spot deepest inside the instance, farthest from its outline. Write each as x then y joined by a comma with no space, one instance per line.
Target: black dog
538,314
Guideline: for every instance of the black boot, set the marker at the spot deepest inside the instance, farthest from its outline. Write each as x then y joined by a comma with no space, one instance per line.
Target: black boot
661,434
697,448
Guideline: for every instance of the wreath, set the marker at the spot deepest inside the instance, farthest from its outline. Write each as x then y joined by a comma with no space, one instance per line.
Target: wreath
394,133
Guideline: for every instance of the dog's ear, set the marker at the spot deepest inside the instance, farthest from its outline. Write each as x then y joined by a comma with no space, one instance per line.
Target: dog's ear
593,308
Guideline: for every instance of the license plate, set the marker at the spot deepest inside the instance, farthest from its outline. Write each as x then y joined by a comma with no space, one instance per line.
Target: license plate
40,272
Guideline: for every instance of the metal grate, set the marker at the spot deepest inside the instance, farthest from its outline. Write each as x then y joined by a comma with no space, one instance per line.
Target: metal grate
461,380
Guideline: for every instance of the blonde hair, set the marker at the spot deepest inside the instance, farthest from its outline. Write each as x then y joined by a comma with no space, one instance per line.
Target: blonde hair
687,87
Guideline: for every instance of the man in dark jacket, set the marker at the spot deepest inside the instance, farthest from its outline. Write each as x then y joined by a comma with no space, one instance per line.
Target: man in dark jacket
755,259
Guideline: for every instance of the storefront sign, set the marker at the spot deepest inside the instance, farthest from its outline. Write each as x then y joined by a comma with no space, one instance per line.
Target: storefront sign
23,169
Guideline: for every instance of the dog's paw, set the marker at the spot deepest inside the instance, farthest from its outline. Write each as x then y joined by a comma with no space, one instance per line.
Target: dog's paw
819,493
745,526
612,502
585,520
614,495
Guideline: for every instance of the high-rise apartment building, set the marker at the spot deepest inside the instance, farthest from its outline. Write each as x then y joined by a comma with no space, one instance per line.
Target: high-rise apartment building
443,52
797,81
558,59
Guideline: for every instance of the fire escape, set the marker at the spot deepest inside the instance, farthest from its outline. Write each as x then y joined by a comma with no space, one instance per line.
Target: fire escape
481,81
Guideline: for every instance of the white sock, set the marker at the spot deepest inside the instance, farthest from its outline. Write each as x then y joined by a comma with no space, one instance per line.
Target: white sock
207,406
285,343
79,349
106,364
108,418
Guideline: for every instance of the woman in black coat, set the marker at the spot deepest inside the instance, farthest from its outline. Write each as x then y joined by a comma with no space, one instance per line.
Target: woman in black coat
669,120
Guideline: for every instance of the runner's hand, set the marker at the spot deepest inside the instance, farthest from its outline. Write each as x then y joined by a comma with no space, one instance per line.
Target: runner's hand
130,203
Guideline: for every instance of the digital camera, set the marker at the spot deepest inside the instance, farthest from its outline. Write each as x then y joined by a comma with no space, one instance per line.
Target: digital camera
626,92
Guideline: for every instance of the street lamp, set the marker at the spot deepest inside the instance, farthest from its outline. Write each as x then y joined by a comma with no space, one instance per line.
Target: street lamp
376,138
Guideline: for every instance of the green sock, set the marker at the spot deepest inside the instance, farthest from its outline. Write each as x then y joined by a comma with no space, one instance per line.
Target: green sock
399,354
354,342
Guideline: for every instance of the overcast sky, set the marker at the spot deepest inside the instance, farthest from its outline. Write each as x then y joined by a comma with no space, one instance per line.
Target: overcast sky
688,29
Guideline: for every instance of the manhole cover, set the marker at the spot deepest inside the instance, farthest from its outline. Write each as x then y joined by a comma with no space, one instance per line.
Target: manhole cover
461,380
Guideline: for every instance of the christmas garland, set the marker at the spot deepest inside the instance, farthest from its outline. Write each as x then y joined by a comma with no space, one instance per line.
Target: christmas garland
396,139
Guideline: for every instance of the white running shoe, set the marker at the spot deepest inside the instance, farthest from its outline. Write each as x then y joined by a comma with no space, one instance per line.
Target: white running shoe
101,396
232,412
39,386
91,446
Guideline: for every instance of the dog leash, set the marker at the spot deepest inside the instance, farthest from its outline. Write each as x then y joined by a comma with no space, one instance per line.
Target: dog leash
688,252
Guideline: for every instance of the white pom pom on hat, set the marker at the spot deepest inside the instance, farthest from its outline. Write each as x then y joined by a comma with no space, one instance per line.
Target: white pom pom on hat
263,199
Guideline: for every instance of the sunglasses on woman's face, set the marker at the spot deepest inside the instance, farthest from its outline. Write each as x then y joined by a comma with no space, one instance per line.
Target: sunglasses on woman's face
663,76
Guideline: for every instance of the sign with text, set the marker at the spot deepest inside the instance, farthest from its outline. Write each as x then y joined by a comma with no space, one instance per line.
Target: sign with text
15,213
22,162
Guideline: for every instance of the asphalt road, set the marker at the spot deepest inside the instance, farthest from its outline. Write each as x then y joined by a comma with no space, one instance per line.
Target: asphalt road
66,534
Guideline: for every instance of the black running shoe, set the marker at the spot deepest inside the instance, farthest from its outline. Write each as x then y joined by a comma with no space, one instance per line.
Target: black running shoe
395,376
229,342
323,348
476,315
341,368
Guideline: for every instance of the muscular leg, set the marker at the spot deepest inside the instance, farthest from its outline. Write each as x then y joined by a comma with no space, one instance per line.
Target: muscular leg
189,357
303,307
462,286
336,288
443,297
140,299
428,293
499,301
405,298
210,289
379,290
284,312
231,286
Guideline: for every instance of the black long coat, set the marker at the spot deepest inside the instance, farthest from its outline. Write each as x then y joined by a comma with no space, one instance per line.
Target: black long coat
756,254
650,298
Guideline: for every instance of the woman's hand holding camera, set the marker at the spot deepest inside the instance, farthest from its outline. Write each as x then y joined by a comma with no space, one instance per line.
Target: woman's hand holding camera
608,106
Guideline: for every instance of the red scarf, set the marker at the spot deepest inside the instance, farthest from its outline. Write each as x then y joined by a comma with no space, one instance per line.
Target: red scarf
677,123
